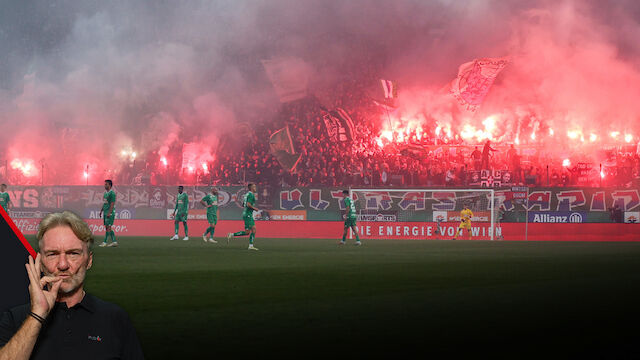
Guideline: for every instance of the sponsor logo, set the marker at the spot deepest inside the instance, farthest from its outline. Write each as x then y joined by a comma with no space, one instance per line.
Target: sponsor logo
124,214
94,338
632,217
479,216
28,214
292,215
439,216
95,228
377,217
27,225
575,218
557,217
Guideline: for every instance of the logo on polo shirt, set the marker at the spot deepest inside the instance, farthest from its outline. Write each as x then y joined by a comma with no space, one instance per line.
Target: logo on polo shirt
95,338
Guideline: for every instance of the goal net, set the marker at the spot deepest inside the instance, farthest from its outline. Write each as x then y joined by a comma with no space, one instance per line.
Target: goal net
424,213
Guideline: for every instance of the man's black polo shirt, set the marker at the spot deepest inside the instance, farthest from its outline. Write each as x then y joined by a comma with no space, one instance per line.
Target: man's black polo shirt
92,329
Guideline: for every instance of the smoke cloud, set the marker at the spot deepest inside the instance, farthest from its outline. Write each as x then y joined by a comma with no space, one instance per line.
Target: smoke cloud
81,81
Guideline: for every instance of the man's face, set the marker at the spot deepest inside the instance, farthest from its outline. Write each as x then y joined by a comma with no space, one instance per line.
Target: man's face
3,188
253,188
107,186
180,190
65,256
214,191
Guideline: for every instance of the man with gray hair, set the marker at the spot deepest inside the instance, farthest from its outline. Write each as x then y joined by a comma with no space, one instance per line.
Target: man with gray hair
62,321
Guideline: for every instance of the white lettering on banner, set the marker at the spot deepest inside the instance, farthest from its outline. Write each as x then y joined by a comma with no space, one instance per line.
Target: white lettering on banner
547,218
288,217
27,198
100,228
30,198
414,231
120,215
27,225
478,218
364,230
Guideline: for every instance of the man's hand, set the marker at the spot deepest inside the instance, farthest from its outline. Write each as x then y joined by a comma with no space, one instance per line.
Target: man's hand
100,213
41,300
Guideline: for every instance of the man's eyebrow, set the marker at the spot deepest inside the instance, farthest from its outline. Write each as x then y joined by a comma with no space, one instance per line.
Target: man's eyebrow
57,251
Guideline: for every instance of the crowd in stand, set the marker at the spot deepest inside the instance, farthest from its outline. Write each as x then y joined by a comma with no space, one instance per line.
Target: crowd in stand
362,161
418,160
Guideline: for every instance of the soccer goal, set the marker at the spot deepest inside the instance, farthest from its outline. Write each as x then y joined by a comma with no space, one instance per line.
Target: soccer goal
424,213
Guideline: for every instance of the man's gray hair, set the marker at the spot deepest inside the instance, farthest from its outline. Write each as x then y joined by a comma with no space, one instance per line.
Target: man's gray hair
66,218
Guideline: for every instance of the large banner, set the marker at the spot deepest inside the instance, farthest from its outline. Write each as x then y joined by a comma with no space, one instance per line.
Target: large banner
474,80
282,149
289,76
544,205
373,230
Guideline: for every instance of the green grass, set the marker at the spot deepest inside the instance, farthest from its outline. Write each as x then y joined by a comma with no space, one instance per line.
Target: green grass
193,300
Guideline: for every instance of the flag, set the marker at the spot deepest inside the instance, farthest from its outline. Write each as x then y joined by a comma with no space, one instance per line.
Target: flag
387,98
474,81
281,147
390,89
332,125
340,126
289,76
346,123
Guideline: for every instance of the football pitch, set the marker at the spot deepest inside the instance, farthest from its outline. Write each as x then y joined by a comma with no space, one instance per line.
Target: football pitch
191,300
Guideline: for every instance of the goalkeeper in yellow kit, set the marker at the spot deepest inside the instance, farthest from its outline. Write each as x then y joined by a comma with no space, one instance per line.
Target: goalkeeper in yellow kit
465,221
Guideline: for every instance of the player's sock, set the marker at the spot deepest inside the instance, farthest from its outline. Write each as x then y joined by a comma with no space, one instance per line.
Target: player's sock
212,230
106,236
208,230
177,226
186,229
357,237
113,236
344,237
251,237
240,233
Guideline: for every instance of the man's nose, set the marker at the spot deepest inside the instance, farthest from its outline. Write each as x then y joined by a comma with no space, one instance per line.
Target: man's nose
63,263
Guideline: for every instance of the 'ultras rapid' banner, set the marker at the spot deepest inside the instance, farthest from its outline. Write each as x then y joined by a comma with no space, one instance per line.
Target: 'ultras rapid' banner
545,205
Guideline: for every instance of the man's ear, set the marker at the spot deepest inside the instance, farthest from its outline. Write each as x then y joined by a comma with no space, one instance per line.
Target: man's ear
90,260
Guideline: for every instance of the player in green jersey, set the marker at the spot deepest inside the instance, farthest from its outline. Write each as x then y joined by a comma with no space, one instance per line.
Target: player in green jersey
350,218
249,204
109,210
5,200
210,201
182,210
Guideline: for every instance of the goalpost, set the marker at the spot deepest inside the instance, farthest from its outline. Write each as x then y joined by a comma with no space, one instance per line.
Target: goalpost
421,212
